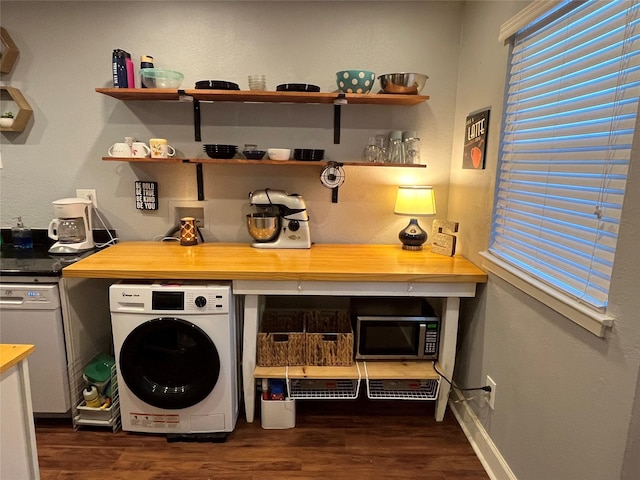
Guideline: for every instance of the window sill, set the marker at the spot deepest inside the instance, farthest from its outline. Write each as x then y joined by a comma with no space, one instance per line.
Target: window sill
595,322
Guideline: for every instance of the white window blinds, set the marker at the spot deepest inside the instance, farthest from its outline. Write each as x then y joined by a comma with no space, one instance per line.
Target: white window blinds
569,122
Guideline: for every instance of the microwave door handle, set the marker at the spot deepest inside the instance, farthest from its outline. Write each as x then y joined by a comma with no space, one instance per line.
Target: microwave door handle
422,339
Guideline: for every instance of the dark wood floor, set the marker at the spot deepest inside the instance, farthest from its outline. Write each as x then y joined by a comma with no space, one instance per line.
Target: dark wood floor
360,439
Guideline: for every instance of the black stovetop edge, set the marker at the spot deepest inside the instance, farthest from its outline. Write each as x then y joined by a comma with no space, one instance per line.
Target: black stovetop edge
41,237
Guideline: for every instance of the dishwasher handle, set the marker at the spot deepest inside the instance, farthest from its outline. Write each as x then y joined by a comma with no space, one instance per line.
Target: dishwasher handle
6,300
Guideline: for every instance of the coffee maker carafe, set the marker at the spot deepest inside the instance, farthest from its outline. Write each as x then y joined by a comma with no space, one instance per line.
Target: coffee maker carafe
72,228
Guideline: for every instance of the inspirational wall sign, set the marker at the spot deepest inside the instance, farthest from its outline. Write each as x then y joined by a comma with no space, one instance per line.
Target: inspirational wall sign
146,195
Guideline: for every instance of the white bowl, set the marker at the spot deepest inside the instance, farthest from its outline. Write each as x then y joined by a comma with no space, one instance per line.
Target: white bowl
279,153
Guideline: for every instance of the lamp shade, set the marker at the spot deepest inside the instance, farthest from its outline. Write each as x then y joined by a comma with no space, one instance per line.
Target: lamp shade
415,201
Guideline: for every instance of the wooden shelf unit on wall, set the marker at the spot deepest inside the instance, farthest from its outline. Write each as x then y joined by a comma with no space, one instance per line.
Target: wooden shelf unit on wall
21,118
10,52
256,96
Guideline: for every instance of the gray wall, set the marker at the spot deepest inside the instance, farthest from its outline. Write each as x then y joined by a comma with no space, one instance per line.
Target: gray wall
66,53
564,398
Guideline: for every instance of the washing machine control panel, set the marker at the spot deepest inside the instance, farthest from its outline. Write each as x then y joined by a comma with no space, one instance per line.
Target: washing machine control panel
170,298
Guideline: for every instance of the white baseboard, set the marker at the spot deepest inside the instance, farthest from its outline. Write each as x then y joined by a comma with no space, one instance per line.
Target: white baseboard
487,452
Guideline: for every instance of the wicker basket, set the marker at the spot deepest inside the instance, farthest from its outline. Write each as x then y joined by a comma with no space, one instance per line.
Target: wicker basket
281,339
329,338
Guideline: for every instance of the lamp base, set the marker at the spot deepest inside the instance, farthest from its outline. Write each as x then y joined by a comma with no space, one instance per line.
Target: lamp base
412,236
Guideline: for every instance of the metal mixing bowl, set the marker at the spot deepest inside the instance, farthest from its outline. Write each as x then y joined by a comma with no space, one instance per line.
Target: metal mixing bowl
407,83
263,226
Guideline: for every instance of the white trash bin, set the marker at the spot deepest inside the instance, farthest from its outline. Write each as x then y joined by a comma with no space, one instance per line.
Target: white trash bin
278,414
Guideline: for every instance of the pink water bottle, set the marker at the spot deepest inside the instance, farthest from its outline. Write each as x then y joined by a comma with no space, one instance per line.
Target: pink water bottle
131,80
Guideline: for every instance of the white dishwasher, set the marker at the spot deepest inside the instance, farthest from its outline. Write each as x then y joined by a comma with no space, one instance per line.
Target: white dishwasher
30,313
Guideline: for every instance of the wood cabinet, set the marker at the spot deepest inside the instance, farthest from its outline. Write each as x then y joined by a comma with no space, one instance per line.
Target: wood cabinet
18,452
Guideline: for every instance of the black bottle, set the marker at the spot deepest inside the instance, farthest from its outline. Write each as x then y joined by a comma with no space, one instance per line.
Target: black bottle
119,68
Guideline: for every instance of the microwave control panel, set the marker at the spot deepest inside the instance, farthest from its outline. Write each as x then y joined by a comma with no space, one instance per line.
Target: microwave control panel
431,336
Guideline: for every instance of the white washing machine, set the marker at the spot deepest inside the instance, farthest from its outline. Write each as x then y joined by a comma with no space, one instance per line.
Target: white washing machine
175,350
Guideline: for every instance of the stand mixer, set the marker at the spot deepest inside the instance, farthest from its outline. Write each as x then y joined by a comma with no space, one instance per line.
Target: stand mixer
282,220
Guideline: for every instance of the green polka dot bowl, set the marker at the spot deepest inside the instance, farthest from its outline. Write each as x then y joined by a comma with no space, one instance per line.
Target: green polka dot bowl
355,81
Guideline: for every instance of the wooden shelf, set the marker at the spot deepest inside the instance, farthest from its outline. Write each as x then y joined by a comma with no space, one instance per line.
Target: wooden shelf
24,109
10,52
242,161
373,370
253,96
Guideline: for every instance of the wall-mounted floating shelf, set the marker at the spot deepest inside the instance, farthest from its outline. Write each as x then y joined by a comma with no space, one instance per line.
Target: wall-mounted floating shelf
21,118
10,52
242,161
260,96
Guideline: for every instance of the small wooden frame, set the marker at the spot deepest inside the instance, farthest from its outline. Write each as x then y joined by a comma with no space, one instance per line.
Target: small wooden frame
441,242
10,52
21,118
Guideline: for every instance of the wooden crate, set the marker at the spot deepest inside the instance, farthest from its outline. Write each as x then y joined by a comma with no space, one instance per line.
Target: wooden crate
281,339
329,338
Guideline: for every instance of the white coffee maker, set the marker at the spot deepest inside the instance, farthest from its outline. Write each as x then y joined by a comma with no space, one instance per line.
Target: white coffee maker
72,228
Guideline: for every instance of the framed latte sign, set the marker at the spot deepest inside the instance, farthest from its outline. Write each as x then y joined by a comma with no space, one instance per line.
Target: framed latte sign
8,52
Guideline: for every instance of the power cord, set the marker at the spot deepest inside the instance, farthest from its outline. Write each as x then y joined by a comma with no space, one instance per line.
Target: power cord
486,388
113,240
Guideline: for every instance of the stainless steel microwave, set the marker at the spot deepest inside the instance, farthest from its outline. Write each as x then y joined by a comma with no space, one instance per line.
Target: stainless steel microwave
404,332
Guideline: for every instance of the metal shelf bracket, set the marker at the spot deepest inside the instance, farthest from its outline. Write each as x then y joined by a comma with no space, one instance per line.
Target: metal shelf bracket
337,106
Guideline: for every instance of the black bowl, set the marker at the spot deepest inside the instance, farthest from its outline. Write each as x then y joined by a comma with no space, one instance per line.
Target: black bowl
297,87
308,154
216,85
215,147
254,154
225,155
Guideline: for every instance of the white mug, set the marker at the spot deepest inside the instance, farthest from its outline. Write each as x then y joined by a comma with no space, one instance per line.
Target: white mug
119,150
140,149
160,148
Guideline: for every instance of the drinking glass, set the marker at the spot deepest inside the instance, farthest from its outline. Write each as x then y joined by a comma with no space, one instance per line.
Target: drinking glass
372,152
412,150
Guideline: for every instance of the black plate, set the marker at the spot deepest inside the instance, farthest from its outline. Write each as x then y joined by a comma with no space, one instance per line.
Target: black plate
216,85
297,87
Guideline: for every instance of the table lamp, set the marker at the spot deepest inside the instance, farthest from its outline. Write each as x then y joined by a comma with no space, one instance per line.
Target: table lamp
414,201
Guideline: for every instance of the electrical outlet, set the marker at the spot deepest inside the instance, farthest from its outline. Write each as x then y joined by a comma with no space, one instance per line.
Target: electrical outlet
89,194
188,211
490,397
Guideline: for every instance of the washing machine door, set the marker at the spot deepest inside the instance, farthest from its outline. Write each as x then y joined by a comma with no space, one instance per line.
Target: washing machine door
169,363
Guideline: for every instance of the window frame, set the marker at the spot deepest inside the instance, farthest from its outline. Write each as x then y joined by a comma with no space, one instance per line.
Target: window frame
597,322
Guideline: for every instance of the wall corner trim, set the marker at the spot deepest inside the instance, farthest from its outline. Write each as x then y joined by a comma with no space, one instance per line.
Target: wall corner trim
492,460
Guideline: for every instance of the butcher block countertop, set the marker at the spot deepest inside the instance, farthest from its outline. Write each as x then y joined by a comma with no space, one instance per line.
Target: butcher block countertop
11,355
240,261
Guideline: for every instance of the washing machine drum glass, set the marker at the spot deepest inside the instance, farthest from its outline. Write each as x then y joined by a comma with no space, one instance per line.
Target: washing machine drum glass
169,363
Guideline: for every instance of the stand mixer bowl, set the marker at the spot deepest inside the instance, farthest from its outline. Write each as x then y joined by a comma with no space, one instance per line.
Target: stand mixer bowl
263,227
